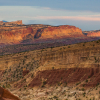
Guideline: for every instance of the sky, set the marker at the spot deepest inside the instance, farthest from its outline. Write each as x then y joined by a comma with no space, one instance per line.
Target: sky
84,14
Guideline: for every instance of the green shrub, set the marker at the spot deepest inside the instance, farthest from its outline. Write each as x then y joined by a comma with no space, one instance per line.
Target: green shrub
55,97
86,80
83,89
83,44
68,46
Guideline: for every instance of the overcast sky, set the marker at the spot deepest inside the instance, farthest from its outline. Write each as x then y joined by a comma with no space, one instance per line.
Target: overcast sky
84,14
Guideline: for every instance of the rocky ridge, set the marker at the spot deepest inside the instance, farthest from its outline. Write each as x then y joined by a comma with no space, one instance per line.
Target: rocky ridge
94,34
16,32
19,22
59,31
68,70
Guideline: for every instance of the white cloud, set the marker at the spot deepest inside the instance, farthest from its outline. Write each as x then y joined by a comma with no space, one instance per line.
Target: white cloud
40,14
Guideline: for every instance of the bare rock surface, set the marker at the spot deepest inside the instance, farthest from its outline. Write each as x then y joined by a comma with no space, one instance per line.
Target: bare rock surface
6,95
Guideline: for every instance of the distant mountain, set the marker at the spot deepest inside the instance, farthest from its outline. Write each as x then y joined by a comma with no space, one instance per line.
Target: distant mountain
16,33
4,20
38,36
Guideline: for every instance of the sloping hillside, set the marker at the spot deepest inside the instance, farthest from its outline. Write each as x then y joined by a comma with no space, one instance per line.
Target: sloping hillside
66,72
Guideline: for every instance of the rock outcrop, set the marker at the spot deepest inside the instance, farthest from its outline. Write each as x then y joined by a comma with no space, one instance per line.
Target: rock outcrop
70,66
19,22
94,34
6,95
59,32
16,33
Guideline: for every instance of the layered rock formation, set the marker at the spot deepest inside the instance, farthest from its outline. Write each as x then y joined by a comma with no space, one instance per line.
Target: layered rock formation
16,32
94,34
73,66
59,32
38,35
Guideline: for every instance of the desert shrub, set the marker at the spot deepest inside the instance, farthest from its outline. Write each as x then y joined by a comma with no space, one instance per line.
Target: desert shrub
83,44
86,80
93,45
83,89
84,94
20,89
83,85
24,88
3,86
65,84
78,83
95,58
52,67
25,56
32,76
97,41
88,76
55,97
97,84
68,46
43,84
59,83
47,93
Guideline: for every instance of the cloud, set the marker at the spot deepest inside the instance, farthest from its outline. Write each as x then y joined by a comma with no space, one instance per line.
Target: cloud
47,15
79,5
67,17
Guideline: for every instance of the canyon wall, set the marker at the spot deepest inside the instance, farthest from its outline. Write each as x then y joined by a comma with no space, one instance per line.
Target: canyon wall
59,31
94,34
16,32
62,57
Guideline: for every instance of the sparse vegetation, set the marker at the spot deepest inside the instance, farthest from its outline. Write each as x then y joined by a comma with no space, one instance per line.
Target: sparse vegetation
33,63
68,46
83,89
83,44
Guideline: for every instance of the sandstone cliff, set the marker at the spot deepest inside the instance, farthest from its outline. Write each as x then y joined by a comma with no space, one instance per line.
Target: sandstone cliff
6,95
59,32
94,34
74,66
16,32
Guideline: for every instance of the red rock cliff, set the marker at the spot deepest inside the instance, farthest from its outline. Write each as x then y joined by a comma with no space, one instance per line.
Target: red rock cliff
6,95
15,32
59,32
94,34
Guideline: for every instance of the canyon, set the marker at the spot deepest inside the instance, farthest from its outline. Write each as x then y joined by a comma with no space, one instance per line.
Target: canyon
53,72
16,37
18,33
43,62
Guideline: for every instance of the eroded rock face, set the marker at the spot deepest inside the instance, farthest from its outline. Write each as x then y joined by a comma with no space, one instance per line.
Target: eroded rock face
59,32
94,34
16,32
71,75
15,35
6,95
